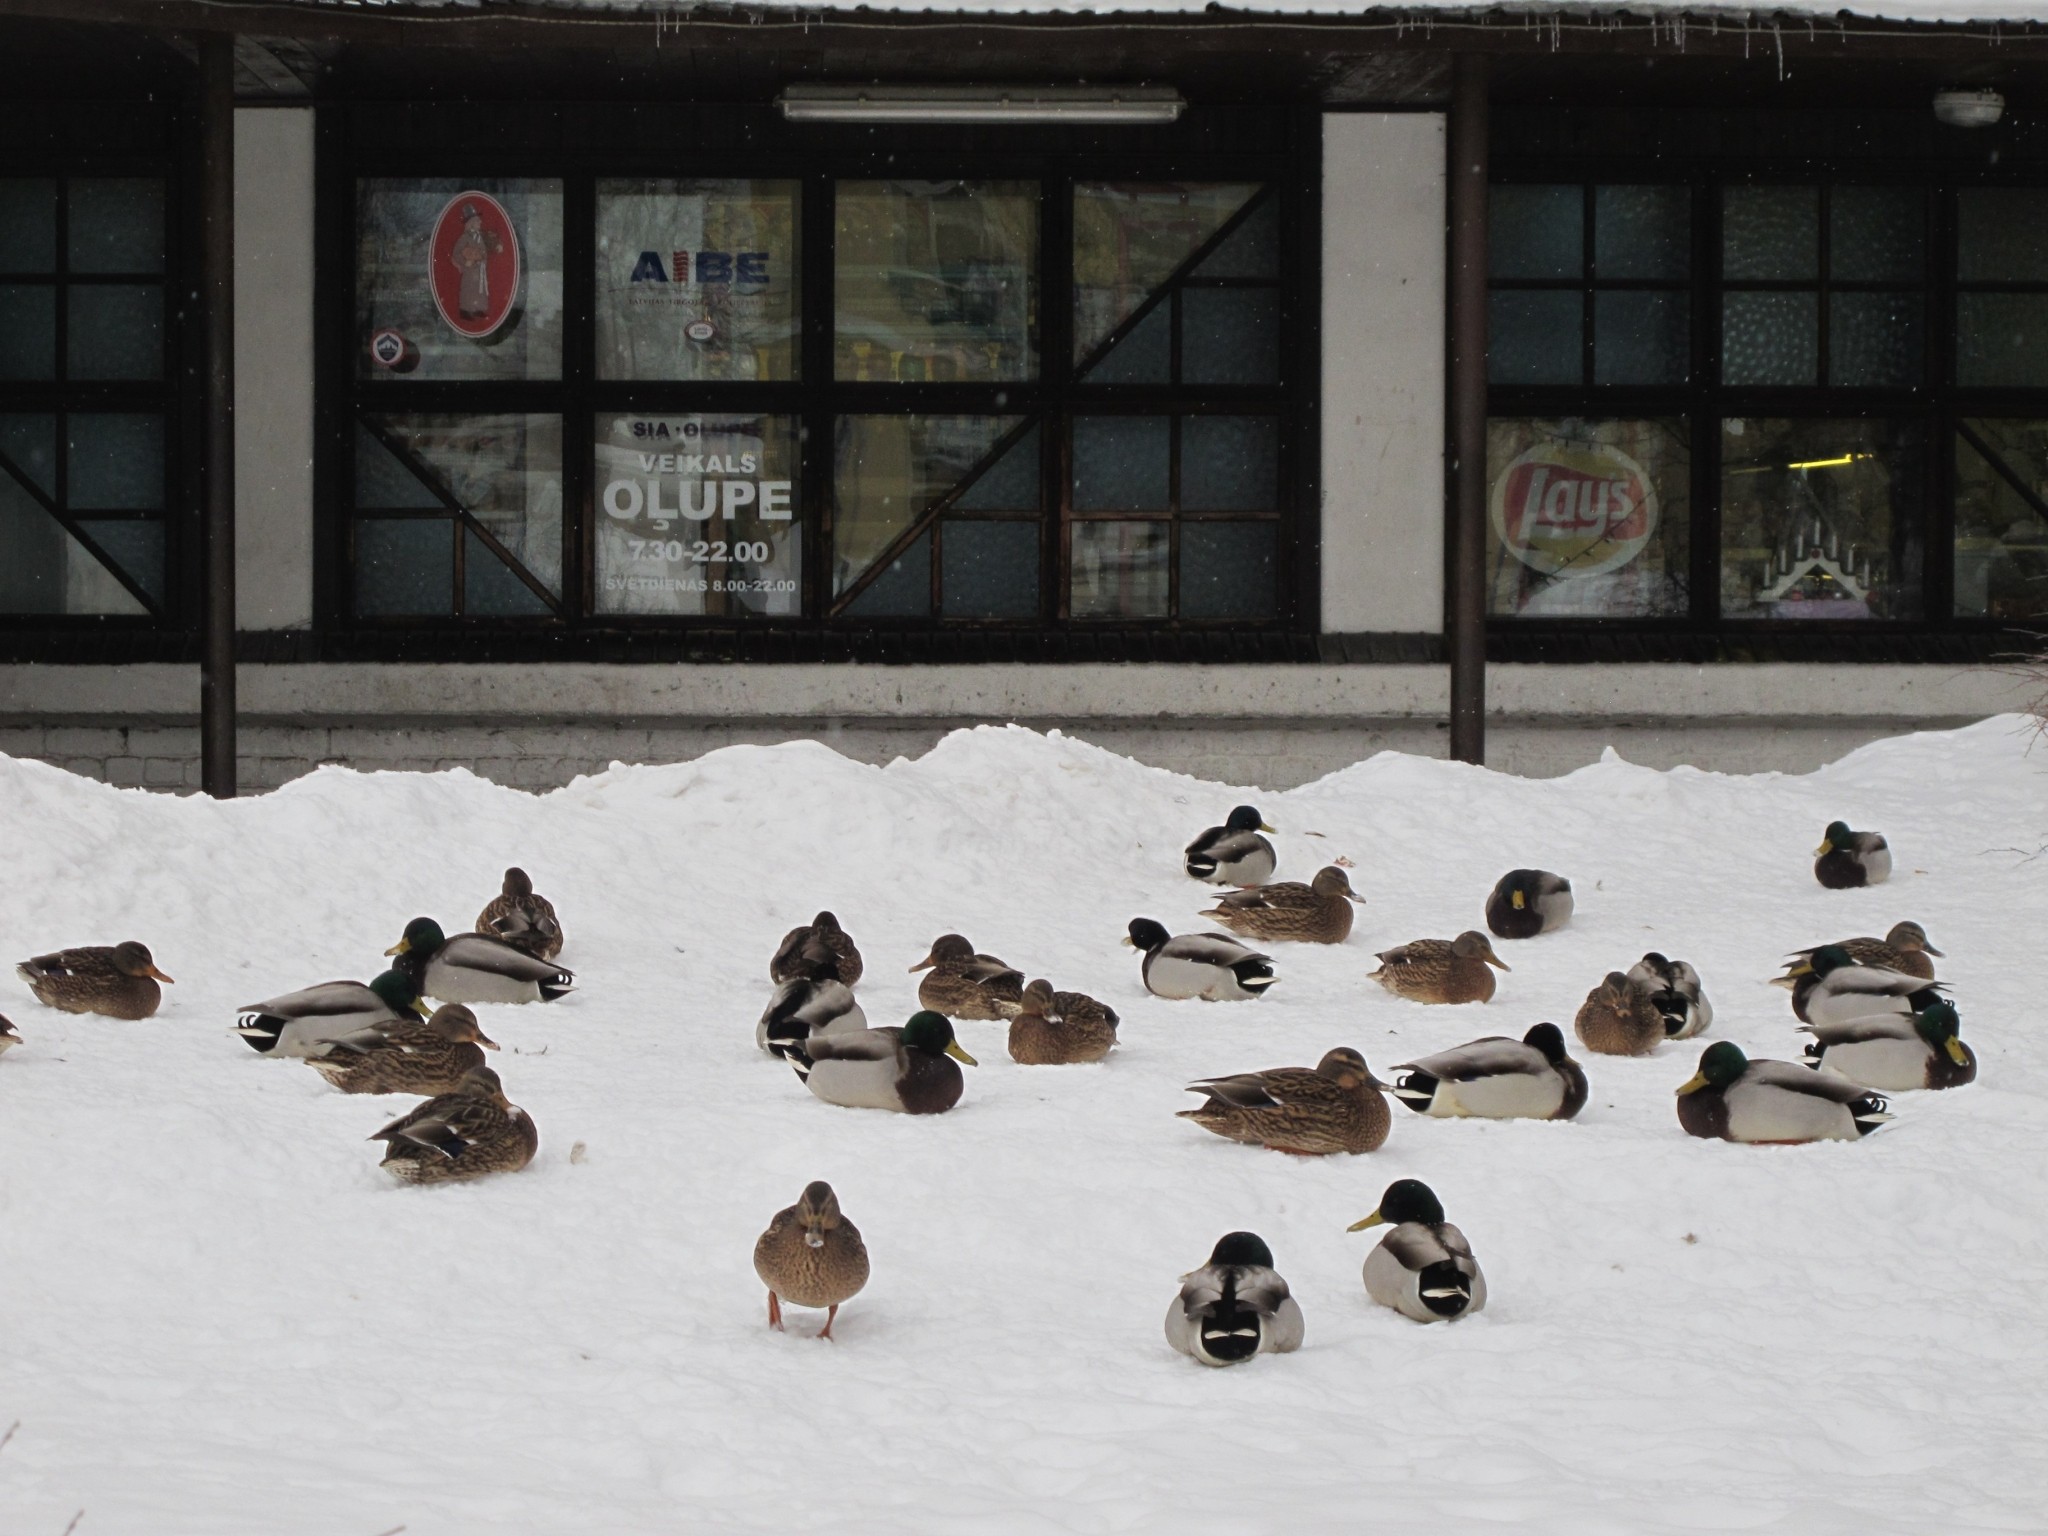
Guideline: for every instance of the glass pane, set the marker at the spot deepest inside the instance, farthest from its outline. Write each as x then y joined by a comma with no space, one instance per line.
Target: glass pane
1642,231
504,470
44,570
404,566
1229,463
115,332
1536,231
1118,570
697,279
1250,250
1120,463
1534,338
116,224
1226,570
116,462
490,586
890,471
2002,235
936,280
384,483
459,279
1588,518
29,444
1770,338
28,226
28,331
2002,521
1772,233
1008,485
1130,238
136,545
1229,335
1820,519
2002,339
989,570
1641,338
1876,234
904,590
1874,339
1144,355
699,516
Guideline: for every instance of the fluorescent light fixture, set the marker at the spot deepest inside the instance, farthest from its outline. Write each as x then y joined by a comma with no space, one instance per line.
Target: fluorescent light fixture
981,104
1960,108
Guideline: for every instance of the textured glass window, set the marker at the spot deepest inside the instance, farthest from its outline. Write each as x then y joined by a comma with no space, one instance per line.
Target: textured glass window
28,332
1132,238
28,226
1874,339
989,570
1770,233
1227,570
1229,464
1642,231
2002,340
116,225
1230,335
1122,464
2001,538
1641,337
116,331
1534,337
60,553
1119,570
115,460
1770,338
2002,235
1877,234
1536,231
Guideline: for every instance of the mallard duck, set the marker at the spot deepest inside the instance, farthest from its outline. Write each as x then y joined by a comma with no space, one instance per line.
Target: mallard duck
119,980
1334,1108
1234,853
475,968
1894,1052
1441,970
1204,965
522,919
1618,1019
1423,1268
902,1068
463,1134
305,1022
823,929
964,985
813,1001
1057,1029
9,1035
1235,1306
431,1055
1737,1099
1904,949
1847,859
1527,902
1316,913
812,1256
1496,1078
1674,991
1834,989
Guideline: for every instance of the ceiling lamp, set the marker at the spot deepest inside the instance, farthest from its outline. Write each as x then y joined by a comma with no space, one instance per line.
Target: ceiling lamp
981,104
1968,108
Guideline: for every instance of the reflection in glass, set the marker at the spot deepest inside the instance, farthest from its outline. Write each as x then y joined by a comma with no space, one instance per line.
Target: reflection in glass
1227,570
1876,234
1641,337
1820,519
1642,231
1130,238
936,281
1118,570
2002,339
890,472
1536,231
1770,338
1874,339
1534,337
989,570
1229,463
2001,549
43,569
1770,233
135,545
2002,235
1121,463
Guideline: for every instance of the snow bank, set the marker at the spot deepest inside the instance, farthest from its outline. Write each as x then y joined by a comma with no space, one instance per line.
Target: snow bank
222,1319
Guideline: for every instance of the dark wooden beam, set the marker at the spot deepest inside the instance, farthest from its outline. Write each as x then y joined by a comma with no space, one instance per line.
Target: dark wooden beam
217,467
1467,541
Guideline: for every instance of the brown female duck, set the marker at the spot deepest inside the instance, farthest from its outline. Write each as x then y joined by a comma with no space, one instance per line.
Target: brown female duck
1056,1029
811,1255
1904,949
1316,913
118,980
1441,970
1620,1018
964,985
466,1134
409,1055
1336,1107
522,918
823,930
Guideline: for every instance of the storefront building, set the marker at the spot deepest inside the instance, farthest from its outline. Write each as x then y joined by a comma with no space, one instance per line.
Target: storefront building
616,381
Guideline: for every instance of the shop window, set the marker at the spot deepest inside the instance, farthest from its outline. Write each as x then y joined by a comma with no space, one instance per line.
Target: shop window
2002,281
2001,528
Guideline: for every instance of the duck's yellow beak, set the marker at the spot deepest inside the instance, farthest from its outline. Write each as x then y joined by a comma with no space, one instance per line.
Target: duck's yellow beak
1518,900
1826,846
401,947
1374,1220
1790,980
1693,1084
1264,828
953,1050
1128,942
1956,1053
159,975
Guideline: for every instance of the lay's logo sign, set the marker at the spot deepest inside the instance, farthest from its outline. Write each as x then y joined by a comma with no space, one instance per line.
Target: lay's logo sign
1573,507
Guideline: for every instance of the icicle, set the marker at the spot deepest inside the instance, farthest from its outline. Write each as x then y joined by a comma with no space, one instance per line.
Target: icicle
1778,37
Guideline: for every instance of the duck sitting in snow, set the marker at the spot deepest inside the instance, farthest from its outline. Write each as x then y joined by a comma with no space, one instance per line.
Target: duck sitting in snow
1316,913
1675,992
522,918
1235,1306
811,1001
466,1134
1847,859
1496,1079
1527,902
811,1255
789,959
1057,1029
1204,965
965,985
118,980
1334,1108
1905,948
1736,1099
305,1022
431,1055
909,1069
1619,1019
1441,970
1897,1053
1833,988
1234,853
1423,1268
475,968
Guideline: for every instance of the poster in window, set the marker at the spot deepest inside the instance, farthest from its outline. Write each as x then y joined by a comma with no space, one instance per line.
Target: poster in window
474,264
697,516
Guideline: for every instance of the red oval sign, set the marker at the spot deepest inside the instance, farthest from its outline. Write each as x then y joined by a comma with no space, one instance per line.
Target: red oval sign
473,264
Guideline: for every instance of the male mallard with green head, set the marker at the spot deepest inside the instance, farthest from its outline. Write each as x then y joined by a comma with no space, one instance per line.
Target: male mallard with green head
1896,1052
1234,853
464,1134
1235,1306
119,980
475,968
1423,1268
1736,1099
812,1256
305,1022
1441,970
1057,1029
1334,1107
909,1068
1846,859
1496,1079
431,1055
1288,911
1831,988
964,985
522,918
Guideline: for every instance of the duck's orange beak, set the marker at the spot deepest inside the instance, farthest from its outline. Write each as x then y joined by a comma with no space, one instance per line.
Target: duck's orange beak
159,975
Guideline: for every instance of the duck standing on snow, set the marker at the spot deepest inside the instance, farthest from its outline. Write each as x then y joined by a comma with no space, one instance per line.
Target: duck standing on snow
119,980
1833,989
1894,1052
1057,1029
1674,991
1496,1079
1441,970
1736,1099
1618,1019
823,930
905,1069
1848,859
812,1256
1423,1268
475,968
1204,965
417,1056
964,985
9,1035
306,1022
1234,853
522,918
1334,1108
1235,1306
1527,902
811,1001
465,1134
1904,949
1316,913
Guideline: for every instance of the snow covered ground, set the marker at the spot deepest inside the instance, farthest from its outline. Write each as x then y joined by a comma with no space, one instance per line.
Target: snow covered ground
221,1318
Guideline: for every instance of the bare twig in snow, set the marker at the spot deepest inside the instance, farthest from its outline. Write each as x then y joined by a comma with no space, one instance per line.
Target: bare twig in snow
10,1434
74,1523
